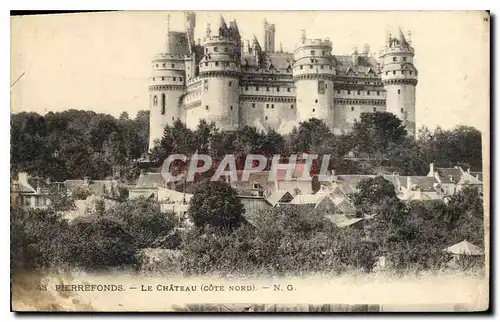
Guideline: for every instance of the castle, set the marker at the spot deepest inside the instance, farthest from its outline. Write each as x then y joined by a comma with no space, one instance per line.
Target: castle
235,83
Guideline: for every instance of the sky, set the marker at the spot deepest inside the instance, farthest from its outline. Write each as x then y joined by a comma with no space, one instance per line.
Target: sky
101,61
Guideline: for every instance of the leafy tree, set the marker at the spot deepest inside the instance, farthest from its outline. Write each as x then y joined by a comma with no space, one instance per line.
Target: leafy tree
311,137
216,204
376,132
371,192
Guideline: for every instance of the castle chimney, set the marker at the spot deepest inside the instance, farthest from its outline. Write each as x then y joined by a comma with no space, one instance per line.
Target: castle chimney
366,50
355,56
303,35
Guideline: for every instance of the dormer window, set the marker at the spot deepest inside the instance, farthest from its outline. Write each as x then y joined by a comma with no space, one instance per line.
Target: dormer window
394,58
216,63
399,91
313,52
173,65
411,73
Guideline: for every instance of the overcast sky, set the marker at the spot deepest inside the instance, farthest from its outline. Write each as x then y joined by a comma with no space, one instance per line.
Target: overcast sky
101,61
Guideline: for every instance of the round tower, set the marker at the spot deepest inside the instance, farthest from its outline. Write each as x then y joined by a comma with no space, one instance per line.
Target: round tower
166,86
219,71
400,78
313,74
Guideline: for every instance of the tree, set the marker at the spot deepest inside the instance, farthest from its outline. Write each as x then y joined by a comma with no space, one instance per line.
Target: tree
376,132
371,192
216,204
312,136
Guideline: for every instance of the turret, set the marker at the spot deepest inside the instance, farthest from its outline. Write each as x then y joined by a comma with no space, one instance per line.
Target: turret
400,78
166,85
314,73
219,71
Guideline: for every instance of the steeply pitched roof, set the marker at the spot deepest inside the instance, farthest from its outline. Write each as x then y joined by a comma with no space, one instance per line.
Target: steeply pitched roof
365,63
277,196
425,183
467,178
449,175
312,199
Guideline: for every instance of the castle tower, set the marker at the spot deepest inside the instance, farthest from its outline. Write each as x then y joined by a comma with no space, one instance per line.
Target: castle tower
399,77
166,85
219,71
313,74
269,36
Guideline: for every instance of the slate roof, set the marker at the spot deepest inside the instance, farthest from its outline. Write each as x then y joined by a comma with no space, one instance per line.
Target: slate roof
312,199
365,63
446,174
277,196
425,183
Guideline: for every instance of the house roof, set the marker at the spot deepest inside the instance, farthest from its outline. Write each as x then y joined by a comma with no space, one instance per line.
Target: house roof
312,199
346,207
449,175
467,178
342,221
464,248
150,180
425,183
277,196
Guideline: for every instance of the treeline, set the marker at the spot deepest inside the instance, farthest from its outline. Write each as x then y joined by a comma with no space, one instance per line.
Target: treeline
378,142
285,240
74,144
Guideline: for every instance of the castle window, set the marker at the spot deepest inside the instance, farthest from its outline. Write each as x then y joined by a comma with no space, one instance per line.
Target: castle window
162,104
180,79
301,66
206,107
230,83
246,88
272,105
267,105
321,66
352,108
411,73
288,89
324,53
253,105
257,88
266,118
331,67
359,92
338,91
326,85
231,107
367,92
348,92
155,100
404,58
310,66
278,89
175,78
206,50
387,73
401,110
378,93
173,65
393,58
267,89
216,63
313,52
225,49
163,78
206,64
399,91
153,79
315,101
173,118
393,72
156,65
164,65
374,109
216,49
291,106
314,110
312,60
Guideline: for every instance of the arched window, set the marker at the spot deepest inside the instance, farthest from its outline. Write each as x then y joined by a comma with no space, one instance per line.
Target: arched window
155,100
163,104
